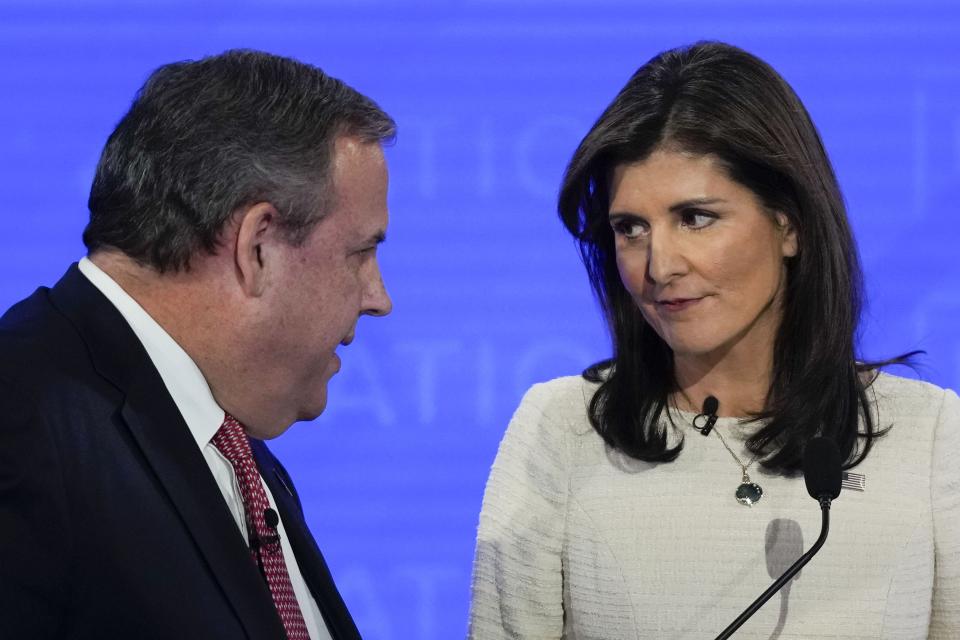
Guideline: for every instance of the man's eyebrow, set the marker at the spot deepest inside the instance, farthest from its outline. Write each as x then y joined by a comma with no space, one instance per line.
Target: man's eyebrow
378,237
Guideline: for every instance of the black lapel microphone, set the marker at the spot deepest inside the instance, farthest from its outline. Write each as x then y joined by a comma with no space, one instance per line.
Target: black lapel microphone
822,473
267,544
270,543
707,416
271,518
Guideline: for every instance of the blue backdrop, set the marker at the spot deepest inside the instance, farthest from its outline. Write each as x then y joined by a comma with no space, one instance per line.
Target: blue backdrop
491,98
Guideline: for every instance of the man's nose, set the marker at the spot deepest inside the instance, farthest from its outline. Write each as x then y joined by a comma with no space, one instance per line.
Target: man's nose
377,301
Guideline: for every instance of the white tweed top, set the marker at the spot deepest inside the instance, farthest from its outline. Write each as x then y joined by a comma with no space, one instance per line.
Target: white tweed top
578,541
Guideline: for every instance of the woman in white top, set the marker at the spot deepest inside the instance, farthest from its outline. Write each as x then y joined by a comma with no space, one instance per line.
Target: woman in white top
715,236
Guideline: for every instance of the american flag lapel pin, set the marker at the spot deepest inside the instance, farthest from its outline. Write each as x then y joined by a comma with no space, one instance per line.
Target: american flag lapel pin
853,481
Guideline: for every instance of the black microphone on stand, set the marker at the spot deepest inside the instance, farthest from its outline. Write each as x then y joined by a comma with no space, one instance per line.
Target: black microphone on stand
823,475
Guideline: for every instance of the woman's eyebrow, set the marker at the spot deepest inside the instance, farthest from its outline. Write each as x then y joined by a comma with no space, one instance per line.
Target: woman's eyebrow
695,202
623,215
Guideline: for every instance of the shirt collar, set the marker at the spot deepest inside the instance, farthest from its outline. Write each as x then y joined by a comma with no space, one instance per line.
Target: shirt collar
180,374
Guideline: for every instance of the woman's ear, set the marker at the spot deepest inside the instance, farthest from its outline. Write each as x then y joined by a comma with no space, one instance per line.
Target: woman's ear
788,234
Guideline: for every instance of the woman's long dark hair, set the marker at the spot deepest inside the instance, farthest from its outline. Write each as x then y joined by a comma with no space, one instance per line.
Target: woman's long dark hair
713,98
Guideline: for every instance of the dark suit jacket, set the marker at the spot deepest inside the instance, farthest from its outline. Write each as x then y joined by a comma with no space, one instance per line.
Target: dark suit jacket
111,524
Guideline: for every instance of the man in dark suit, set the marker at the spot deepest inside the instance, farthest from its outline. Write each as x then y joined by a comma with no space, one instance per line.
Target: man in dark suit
234,222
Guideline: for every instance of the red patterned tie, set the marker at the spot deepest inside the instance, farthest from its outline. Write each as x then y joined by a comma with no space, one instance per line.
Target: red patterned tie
232,442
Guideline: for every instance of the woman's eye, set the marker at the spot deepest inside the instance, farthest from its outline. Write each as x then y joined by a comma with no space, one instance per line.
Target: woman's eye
630,229
697,219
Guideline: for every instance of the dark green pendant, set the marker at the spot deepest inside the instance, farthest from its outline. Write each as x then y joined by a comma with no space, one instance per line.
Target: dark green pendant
748,493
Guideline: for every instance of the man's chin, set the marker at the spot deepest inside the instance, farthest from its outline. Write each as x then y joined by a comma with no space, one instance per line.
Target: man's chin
305,414
269,431
309,409
313,412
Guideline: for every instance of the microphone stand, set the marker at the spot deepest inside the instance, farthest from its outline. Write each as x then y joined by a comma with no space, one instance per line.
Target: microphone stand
787,575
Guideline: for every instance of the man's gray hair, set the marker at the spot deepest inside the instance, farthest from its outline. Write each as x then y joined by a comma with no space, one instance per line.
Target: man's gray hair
205,138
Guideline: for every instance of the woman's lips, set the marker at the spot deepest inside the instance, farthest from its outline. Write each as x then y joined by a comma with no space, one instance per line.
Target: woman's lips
677,304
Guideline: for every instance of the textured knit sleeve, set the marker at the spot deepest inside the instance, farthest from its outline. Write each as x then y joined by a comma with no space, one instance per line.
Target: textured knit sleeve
517,582
945,622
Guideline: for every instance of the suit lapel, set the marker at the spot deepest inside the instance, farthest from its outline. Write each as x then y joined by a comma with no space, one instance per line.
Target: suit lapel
312,565
164,438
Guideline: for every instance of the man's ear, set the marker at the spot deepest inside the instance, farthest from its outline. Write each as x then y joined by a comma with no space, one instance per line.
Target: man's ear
788,235
256,229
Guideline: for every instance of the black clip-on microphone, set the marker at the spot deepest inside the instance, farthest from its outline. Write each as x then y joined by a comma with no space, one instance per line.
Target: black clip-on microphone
270,543
822,473
708,414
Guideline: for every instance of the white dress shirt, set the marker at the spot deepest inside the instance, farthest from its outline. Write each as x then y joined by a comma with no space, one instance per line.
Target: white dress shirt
191,394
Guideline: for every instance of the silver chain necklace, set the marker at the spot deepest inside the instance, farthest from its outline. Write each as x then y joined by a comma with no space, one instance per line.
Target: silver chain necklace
748,492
